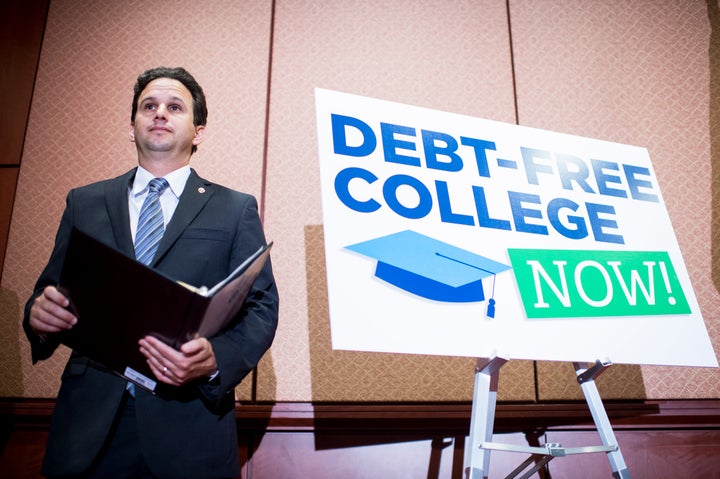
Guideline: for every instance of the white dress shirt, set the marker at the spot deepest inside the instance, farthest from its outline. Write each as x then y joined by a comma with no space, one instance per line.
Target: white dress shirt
168,199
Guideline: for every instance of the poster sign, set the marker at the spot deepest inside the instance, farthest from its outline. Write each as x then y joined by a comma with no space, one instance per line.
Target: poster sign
452,235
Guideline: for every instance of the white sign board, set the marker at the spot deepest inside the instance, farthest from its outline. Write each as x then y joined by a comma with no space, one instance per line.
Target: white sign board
452,235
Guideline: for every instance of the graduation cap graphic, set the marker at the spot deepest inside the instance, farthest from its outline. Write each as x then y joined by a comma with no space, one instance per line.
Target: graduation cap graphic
430,268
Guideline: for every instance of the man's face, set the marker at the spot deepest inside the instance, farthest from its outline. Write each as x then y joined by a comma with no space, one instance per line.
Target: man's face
164,119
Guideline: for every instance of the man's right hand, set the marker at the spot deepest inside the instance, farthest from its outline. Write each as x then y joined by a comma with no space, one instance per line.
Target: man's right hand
48,314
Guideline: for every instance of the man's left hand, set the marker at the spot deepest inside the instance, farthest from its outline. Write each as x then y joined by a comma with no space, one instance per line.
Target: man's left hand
195,359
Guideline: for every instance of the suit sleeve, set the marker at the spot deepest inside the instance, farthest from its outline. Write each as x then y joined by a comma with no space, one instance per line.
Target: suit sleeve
239,348
43,348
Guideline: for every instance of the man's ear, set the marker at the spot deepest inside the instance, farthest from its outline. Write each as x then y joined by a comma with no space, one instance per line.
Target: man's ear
199,135
132,132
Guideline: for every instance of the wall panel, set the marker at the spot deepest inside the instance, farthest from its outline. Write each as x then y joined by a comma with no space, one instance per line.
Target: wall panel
452,56
634,72
638,73
80,119
21,30
8,181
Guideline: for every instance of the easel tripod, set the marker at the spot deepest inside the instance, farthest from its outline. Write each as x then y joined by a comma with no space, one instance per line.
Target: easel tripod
477,454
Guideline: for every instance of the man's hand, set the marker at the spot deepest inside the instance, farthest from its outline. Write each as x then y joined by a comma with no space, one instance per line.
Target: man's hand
48,314
194,360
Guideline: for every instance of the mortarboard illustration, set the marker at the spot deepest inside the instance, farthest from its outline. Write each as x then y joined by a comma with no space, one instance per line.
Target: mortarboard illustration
430,268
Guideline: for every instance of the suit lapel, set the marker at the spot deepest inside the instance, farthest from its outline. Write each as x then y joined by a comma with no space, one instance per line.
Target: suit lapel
195,196
116,202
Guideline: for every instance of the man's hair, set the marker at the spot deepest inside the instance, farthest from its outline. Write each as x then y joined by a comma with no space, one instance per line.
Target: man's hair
183,76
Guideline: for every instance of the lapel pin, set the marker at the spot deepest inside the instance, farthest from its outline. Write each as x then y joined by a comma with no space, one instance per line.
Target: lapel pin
201,190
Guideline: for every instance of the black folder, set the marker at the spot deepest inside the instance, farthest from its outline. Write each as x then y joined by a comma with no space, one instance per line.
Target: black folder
118,301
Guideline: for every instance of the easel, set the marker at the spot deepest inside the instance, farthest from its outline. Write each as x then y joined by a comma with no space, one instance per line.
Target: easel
477,454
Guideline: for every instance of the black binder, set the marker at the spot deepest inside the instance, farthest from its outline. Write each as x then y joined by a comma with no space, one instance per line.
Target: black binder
118,301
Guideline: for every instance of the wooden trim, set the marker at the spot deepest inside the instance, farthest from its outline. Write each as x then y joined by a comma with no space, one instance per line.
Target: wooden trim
659,438
430,418
511,417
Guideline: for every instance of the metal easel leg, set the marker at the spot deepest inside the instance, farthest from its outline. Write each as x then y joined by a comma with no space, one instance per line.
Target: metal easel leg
482,418
586,378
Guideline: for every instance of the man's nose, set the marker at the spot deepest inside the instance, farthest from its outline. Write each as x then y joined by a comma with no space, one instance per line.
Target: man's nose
161,111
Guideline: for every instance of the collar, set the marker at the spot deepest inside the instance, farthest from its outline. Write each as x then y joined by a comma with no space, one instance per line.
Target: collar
177,180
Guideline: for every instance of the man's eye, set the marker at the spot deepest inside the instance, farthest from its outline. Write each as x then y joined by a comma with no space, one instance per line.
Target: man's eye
149,106
175,108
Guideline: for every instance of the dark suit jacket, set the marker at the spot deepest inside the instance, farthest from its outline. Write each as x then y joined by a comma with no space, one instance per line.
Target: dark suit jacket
188,431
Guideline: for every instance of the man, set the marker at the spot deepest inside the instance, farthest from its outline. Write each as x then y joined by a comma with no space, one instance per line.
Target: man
101,428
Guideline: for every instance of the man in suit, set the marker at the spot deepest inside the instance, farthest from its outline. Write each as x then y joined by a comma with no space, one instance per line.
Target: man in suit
101,427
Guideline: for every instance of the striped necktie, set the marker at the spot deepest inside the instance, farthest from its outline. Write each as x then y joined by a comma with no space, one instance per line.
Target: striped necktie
150,227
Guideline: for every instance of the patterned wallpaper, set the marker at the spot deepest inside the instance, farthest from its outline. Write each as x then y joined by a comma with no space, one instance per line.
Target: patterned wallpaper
638,73
422,53
634,72
80,120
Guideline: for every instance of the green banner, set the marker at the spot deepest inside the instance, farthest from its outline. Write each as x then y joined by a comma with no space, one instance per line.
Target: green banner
590,283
